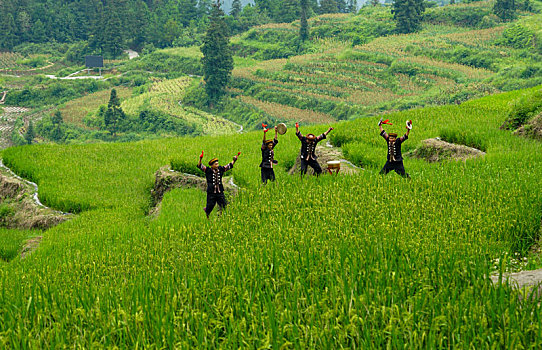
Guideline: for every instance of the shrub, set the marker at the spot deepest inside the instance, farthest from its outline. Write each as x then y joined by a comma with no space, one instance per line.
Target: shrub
523,109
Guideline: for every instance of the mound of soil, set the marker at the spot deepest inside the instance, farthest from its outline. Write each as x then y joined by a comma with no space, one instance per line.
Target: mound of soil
532,129
167,180
436,150
18,209
325,154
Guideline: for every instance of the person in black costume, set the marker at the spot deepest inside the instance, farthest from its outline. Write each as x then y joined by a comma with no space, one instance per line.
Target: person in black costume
395,158
215,190
268,157
308,147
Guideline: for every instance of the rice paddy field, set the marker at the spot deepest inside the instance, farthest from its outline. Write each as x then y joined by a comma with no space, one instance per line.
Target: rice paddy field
362,261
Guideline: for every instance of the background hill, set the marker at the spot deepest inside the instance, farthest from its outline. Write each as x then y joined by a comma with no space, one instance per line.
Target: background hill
354,66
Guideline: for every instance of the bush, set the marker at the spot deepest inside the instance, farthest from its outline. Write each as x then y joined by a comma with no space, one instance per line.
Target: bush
523,109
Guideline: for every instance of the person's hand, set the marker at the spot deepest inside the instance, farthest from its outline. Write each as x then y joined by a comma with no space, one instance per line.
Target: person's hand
380,122
330,128
297,125
276,128
201,155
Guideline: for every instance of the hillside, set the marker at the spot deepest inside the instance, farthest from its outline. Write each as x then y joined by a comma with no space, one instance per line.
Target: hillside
354,66
348,261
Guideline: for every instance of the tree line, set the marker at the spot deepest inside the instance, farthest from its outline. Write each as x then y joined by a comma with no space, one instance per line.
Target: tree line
109,26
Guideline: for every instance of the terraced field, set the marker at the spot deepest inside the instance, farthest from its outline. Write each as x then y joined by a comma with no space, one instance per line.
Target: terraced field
342,79
361,261
166,96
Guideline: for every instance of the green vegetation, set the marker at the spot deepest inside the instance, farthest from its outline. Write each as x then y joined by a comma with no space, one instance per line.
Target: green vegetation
349,261
11,241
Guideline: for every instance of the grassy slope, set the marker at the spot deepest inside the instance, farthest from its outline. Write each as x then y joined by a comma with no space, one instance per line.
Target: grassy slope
365,261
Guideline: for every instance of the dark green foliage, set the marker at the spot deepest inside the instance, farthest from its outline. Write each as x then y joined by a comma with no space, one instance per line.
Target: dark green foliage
408,15
8,38
156,122
217,57
236,8
462,137
329,6
304,25
505,9
30,133
523,109
518,37
114,115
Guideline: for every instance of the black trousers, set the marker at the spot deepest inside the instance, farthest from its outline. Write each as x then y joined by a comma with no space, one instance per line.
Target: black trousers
268,174
397,166
214,199
314,165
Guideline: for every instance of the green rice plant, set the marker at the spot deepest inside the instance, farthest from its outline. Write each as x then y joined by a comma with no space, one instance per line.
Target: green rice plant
11,242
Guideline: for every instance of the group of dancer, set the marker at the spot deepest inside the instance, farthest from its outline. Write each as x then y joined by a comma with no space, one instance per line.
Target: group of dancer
215,172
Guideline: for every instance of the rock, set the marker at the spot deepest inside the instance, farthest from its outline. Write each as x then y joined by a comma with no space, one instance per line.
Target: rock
10,188
436,150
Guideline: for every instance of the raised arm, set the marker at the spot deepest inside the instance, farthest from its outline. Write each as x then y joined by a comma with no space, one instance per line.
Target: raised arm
328,131
230,164
276,133
202,167
264,137
408,127
299,136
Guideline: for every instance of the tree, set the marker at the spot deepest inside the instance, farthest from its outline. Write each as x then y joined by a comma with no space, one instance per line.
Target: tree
114,115
505,9
408,15
352,6
217,58
236,8
375,3
329,6
57,133
304,25
30,134
8,36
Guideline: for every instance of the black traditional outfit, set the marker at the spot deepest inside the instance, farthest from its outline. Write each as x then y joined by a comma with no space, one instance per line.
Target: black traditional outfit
268,159
395,158
308,157
215,189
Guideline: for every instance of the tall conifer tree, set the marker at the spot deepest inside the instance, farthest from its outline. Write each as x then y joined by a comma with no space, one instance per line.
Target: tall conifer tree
408,15
505,9
304,24
217,57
